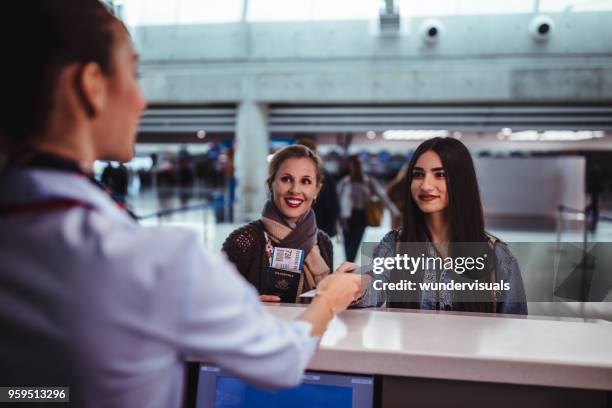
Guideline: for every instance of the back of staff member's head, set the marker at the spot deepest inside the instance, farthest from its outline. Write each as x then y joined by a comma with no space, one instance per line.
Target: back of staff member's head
72,77
89,298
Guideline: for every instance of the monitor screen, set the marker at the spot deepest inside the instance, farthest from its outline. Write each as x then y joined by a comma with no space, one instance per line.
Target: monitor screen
219,389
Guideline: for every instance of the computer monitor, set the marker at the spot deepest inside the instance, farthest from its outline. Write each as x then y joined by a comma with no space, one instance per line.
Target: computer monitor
218,389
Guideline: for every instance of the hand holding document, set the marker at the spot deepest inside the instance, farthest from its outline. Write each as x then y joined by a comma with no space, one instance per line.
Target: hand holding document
347,267
339,290
310,294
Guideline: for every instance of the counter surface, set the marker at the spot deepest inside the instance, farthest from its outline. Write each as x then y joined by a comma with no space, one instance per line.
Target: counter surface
454,346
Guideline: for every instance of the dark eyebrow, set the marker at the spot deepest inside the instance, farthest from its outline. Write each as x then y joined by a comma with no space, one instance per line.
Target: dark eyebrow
433,169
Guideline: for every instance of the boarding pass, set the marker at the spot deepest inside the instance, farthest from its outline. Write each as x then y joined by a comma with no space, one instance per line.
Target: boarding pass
288,259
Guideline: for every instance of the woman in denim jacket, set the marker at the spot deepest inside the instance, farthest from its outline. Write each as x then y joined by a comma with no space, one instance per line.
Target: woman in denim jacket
443,219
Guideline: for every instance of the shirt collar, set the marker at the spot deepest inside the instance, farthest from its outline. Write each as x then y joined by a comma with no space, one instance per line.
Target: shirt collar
21,185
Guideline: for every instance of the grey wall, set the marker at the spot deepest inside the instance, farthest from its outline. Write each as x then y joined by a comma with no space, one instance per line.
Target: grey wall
531,186
478,58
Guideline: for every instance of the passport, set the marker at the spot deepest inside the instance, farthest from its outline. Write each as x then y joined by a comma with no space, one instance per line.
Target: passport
281,283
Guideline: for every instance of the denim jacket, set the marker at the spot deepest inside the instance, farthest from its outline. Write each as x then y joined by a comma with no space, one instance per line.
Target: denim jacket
507,269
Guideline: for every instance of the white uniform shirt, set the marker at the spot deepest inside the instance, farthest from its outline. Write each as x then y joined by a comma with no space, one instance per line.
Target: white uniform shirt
91,300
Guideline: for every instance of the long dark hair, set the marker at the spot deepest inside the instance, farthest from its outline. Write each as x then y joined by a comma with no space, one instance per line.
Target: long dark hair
464,206
464,213
62,32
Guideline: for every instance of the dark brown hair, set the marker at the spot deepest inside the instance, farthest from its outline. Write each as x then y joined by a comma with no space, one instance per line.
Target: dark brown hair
66,32
464,205
465,212
294,152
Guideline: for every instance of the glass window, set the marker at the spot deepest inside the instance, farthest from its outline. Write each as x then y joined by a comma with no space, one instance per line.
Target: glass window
558,6
463,7
173,12
164,12
283,10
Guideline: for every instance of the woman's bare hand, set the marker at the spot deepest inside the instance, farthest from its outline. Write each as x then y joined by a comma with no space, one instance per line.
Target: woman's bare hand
269,298
347,267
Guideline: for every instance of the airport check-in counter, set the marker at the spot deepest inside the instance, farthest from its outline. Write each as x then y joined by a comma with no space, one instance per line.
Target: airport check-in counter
431,359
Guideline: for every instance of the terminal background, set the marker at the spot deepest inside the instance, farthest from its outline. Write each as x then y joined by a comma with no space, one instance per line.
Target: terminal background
227,86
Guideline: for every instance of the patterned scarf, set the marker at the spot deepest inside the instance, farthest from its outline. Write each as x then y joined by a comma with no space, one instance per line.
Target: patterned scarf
303,236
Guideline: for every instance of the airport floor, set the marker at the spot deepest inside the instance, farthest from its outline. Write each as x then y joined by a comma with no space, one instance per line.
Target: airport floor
202,218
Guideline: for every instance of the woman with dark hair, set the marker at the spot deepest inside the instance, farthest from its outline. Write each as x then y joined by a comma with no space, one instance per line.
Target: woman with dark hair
355,190
90,299
443,218
288,223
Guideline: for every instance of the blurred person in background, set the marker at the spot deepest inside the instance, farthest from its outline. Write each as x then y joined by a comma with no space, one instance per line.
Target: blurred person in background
396,192
326,206
107,176
595,186
90,299
355,190
121,181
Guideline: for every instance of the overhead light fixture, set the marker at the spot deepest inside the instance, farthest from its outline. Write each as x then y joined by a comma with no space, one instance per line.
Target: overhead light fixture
556,135
413,134
551,135
526,135
201,134
370,134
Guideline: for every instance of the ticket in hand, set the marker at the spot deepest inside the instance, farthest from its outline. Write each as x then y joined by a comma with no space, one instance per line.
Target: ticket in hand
288,259
310,294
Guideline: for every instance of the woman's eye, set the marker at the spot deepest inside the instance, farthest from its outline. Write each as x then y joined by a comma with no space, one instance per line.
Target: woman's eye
306,181
441,174
285,179
417,174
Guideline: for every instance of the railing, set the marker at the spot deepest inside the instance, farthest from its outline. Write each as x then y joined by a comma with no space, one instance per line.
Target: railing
178,210
169,211
587,217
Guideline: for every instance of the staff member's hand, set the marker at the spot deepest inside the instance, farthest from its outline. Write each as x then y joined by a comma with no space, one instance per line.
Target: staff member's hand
349,267
269,298
339,290
334,294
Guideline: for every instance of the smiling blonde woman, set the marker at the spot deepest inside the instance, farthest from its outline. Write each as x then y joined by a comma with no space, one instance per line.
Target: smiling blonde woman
295,177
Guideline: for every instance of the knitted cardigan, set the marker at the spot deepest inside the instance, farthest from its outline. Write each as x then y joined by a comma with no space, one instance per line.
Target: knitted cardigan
246,249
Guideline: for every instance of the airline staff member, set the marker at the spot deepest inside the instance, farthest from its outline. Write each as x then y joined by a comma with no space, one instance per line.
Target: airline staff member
89,299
